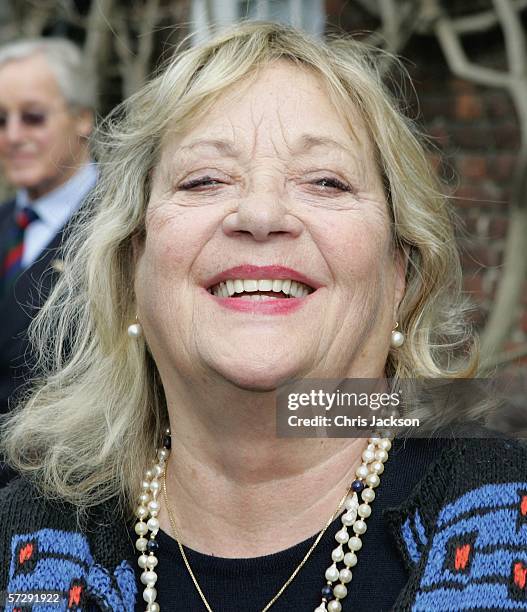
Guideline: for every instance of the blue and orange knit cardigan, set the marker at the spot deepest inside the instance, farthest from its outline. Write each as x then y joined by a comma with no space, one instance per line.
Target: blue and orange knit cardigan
462,535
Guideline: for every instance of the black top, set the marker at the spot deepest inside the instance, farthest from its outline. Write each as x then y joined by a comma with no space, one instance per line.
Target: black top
249,584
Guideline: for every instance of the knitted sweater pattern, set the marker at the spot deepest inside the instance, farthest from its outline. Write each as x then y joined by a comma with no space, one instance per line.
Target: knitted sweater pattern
462,536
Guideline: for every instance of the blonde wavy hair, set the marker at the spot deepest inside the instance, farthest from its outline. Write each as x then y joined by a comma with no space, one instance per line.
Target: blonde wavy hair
100,405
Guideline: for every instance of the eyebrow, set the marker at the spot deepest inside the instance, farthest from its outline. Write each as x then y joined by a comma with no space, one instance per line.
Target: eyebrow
305,143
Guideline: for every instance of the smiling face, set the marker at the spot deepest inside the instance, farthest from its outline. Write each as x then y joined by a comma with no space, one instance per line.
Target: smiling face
42,142
268,245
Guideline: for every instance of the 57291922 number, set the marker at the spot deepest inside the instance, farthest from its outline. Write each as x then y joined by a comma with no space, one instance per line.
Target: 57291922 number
34,597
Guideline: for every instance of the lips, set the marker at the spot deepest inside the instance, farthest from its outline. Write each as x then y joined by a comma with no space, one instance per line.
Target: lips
250,272
264,289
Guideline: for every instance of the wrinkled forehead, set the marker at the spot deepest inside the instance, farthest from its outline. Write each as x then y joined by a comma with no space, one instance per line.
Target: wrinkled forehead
278,110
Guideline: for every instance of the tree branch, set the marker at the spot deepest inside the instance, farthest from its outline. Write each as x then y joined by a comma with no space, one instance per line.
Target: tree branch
514,81
483,21
514,37
510,287
36,19
458,61
397,26
390,21
146,37
97,28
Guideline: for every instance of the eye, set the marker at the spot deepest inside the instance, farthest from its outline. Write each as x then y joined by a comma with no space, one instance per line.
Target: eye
332,183
204,181
33,118
28,119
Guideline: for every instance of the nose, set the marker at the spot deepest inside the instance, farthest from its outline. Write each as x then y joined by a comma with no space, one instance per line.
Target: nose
14,130
262,215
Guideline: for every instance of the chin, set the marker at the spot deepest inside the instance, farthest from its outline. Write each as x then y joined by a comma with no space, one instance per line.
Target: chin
25,180
258,377
258,364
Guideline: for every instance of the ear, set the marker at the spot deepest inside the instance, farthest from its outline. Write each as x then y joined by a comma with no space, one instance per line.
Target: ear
401,255
84,120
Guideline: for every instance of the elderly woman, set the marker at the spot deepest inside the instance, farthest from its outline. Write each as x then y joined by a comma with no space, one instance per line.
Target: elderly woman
265,214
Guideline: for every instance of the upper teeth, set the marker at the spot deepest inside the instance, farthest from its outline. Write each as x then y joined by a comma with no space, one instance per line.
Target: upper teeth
289,287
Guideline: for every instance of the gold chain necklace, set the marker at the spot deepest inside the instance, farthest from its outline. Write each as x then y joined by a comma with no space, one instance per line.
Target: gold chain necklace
287,582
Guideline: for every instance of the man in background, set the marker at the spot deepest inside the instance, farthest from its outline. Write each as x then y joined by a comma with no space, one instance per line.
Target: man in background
46,117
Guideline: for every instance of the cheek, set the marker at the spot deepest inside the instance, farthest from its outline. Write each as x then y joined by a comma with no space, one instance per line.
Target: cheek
45,141
49,150
162,264
173,242
47,163
355,248
55,145
158,282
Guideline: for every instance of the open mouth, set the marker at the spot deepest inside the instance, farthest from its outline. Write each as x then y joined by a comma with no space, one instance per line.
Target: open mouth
260,289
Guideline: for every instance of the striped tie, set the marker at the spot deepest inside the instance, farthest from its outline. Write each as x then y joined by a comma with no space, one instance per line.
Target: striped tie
11,265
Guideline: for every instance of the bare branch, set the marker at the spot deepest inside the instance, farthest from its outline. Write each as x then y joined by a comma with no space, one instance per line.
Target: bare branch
515,82
432,18
134,68
98,22
209,12
514,36
122,40
398,25
514,260
480,22
97,29
458,61
37,18
146,36
450,42
390,19
509,289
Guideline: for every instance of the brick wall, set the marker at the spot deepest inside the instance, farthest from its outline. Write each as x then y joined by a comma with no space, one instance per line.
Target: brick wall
475,131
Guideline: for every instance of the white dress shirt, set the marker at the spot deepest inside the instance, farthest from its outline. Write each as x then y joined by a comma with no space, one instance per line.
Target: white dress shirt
54,210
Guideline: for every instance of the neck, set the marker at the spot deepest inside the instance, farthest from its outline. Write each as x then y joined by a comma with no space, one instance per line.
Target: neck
235,489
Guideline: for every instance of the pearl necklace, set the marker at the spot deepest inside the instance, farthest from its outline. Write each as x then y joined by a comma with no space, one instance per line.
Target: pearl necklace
335,590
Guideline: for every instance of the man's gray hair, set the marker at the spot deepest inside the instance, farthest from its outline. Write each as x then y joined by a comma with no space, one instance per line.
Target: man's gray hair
65,60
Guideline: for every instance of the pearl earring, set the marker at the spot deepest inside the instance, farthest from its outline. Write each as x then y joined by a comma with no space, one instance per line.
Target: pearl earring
135,330
397,339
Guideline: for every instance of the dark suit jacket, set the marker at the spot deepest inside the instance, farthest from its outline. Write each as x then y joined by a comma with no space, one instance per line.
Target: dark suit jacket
17,309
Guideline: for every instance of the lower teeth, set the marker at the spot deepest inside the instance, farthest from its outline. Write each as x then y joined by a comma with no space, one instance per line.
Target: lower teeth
264,295
257,298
